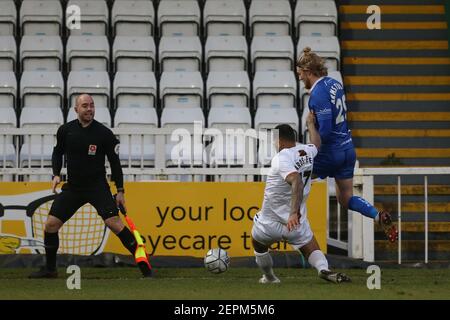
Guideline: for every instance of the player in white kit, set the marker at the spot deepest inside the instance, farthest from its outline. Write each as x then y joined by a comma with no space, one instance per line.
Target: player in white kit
283,215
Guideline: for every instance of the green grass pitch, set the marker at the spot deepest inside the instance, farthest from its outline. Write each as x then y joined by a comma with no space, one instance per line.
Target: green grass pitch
236,283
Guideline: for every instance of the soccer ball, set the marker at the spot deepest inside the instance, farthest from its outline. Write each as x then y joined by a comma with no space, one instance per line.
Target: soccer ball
217,260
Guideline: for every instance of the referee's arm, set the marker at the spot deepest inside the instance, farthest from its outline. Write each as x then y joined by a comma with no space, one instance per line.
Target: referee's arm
112,152
57,158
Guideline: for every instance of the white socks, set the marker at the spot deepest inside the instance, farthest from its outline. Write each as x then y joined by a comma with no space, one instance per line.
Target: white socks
317,260
265,263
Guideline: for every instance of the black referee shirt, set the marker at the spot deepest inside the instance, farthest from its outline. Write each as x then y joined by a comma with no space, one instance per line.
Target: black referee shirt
85,150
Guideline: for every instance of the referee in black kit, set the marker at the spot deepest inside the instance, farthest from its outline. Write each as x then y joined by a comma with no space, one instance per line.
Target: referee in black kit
84,142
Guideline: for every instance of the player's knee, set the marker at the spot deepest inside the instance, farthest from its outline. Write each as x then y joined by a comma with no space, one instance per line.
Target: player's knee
344,197
259,247
344,200
310,247
52,225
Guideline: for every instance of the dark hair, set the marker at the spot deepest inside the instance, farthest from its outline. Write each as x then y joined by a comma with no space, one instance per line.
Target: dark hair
286,132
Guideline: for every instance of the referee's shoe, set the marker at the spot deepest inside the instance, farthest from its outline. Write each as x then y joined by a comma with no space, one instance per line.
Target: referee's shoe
44,273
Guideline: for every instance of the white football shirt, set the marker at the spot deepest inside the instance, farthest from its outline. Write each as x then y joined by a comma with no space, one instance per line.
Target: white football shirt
277,194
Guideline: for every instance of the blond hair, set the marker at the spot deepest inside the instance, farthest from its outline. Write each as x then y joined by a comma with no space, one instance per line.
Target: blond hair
312,62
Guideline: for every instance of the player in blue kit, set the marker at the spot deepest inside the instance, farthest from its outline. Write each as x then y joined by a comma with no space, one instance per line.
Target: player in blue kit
336,157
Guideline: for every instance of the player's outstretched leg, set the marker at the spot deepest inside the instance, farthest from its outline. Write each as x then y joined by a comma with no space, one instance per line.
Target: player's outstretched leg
383,217
335,277
385,221
317,259
348,200
265,263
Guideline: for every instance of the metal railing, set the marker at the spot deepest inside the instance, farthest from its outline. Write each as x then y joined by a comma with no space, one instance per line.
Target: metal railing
360,242
160,163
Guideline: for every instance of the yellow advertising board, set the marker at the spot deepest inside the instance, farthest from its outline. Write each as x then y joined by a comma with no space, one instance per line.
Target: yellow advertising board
175,218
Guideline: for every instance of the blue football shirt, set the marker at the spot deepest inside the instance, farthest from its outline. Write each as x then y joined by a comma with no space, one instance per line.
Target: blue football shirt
327,101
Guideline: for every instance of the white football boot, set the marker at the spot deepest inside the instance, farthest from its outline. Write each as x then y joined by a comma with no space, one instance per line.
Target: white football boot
264,279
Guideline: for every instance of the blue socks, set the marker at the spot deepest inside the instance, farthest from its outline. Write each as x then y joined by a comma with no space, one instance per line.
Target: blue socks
362,206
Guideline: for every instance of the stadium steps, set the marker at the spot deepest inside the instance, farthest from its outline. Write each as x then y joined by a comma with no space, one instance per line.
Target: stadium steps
396,79
413,217
397,83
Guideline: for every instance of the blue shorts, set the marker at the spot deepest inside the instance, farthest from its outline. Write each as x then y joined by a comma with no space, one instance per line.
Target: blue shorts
337,164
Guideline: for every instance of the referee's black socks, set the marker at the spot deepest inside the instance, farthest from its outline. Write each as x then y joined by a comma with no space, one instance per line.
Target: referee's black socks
51,241
127,239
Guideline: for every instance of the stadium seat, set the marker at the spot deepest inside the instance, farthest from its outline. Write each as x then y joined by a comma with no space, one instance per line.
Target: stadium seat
228,89
228,99
270,18
134,54
134,90
304,99
41,17
97,85
326,47
229,150
94,17
223,118
37,149
41,53
102,114
316,18
179,18
133,18
181,90
183,152
304,94
8,90
8,53
180,54
336,75
224,18
228,53
274,90
272,53
90,53
136,150
40,89
8,18
7,151
269,118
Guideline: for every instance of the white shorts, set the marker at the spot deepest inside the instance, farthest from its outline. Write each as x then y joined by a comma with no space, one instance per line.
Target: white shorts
268,232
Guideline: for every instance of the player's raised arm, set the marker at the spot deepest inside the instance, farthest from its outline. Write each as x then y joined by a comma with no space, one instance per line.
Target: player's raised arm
313,133
296,182
324,118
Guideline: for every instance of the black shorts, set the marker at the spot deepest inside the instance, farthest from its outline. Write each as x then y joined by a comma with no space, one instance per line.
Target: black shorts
69,201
